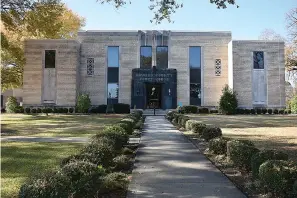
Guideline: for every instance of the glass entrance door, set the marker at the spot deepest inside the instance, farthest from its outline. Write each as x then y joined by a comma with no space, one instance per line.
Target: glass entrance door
154,96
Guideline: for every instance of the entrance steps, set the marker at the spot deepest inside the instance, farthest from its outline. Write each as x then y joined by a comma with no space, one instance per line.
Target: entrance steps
159,112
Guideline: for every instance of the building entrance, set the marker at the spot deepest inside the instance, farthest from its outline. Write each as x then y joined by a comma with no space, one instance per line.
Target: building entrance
153,96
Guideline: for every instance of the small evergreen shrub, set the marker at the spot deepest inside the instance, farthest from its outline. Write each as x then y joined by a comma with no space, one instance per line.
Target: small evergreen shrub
71,110
129,121
33,110
138,125
281,111
253,111
56,110
247,111
240,111
19,109
218,145
203,110
83,103
170,115
60,110
121,108
269,111
127,126
28,110
65,110
121,163
127,151
85,178
259,111
214,111
275,111
278,176
289,111
293,104
240,153
101,108
210,132
189,109
198,128
11,105
189,124
114,182
262,156
3,110
228,101
38,110
264,111
182,119
48,184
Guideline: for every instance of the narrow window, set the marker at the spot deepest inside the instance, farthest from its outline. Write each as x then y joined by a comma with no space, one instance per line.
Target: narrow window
113,56
162,57
146,57
258,60
195,57
218,67
50,59
90,66
195,90
112,93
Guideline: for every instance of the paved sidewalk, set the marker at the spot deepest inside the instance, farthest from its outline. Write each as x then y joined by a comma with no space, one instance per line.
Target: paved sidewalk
168,165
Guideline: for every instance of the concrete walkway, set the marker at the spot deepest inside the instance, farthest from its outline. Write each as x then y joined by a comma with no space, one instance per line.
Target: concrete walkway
168,165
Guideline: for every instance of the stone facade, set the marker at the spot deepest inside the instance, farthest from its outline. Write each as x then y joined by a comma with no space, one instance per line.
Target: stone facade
70,74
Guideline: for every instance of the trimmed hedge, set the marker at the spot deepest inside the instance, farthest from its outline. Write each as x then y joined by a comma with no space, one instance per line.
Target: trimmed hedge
262,156
218,145
114,182
210,132
240,153
203,110
121,108
189,109
121,163
182,119
189,124
275,111
278,176
264,111
198,127
269,111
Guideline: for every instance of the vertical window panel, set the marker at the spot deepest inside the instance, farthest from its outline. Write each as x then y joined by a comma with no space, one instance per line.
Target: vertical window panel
50,59
195,57
146,57
162,57
90,66
258,60
113,56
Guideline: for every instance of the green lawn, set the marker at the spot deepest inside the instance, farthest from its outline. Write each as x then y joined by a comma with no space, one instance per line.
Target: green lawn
19,160
55,125
266,131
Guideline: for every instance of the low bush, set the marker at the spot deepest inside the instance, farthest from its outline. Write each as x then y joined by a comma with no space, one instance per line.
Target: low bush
83,103
3,110
138,125
281,111
293,104
114,182
247,111
85,178
33,110
182,119
49,184
11,105
71,110
240,111
259,111
121,108
278,176
189,109
210,132
253,111
264,111
129,121
65,110
214,111
198,128
203,110
20,109
127,151
240,153
170,115
275,111
127,126
121,163
189,124
38,110
56,110
228,101
269,111
218,145
27,110
101,108
262,156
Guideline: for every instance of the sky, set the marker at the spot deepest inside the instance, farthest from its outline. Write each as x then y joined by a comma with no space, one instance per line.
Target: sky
245,22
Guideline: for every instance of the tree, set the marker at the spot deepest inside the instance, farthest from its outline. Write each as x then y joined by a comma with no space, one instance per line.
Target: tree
26,19
163,9
292,23
228,101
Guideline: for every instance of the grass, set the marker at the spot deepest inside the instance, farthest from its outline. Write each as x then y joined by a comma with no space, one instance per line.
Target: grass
55,124
266,131
19,160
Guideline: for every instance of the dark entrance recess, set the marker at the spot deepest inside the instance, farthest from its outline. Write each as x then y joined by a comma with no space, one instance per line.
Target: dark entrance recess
164,93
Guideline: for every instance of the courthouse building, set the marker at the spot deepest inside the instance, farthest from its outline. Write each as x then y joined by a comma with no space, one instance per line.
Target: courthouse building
161,68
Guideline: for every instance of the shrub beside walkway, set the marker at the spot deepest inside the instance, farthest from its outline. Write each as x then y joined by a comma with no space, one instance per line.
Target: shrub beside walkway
168,165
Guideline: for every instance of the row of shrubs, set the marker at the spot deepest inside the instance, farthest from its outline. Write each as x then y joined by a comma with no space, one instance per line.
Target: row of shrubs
195,109
96,171
276,173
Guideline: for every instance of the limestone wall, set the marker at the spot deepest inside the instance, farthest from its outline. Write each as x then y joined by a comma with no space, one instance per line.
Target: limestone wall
274,70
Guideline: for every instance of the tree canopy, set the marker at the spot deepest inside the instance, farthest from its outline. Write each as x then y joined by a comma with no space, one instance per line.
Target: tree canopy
27,19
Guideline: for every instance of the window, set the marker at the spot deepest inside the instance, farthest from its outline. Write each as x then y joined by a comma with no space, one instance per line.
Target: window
195,90
146,57
162,57
113,56
218,67
162,40
50,59
195,57
90,66
112,90
258,60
